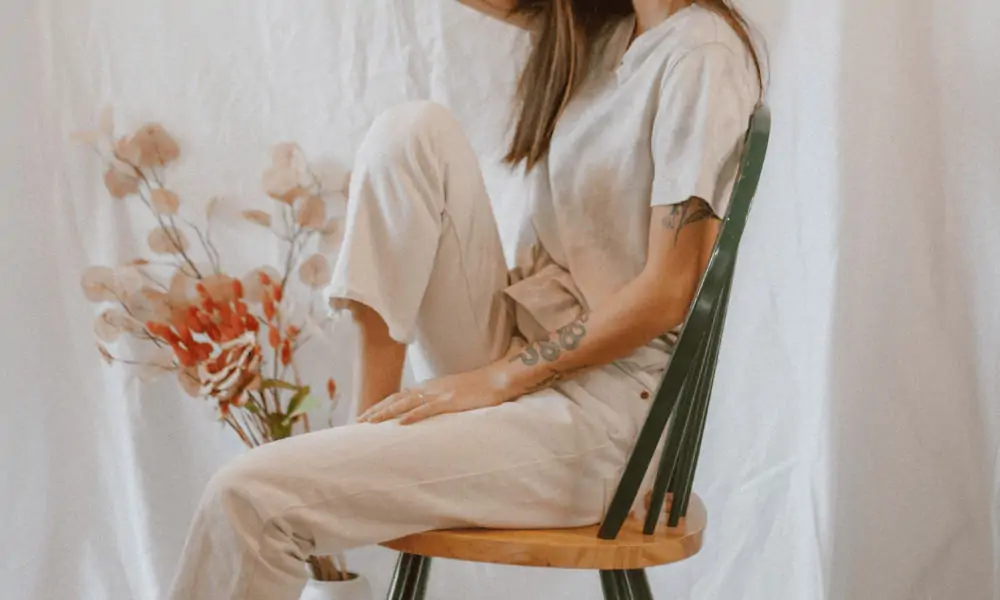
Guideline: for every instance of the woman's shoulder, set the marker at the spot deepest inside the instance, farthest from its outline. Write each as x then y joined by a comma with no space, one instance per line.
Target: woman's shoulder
703,29
704,37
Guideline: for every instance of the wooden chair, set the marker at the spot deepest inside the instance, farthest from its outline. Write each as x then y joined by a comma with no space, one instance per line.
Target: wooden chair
621,547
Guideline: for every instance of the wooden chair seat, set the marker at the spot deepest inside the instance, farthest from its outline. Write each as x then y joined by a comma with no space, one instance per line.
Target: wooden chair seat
578,548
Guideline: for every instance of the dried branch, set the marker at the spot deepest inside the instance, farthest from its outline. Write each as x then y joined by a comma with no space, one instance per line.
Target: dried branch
210,251
169,231
228,420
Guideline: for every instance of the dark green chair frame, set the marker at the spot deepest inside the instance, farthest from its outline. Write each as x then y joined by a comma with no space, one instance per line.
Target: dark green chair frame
680,407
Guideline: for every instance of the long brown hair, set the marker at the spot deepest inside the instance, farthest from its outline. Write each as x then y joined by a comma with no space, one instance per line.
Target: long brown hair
563,48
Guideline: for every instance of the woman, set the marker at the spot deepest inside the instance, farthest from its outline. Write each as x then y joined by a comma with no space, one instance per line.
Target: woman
536,381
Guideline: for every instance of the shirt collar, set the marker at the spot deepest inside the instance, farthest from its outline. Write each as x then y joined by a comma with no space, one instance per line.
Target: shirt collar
632,55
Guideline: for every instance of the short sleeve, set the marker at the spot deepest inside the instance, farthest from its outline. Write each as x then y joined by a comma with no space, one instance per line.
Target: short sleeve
698,130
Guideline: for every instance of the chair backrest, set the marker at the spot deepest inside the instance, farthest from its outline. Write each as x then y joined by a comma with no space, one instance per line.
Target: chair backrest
680,406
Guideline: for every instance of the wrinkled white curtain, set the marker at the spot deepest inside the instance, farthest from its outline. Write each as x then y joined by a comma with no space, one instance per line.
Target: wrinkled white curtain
852,447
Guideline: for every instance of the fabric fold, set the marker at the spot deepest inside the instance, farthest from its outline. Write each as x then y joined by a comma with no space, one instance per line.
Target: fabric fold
544,296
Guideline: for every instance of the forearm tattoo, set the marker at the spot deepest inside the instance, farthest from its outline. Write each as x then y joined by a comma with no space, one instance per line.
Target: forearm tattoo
683,214
565,338
555,377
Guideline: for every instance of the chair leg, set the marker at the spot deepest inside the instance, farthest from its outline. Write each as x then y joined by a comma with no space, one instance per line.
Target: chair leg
638,585
409,582
615,585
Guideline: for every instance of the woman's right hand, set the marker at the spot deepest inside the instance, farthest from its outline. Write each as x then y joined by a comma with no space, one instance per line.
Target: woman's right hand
482,388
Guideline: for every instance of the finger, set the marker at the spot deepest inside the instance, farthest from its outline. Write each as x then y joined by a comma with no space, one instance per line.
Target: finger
426,411
388,411
400,406
389,400
380,405
383,406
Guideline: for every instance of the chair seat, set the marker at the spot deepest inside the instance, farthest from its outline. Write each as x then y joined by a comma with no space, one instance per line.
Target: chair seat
578,548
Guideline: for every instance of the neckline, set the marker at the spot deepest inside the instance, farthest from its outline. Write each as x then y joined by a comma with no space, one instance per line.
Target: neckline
634,42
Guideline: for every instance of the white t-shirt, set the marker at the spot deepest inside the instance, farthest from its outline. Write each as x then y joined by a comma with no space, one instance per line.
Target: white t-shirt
656,123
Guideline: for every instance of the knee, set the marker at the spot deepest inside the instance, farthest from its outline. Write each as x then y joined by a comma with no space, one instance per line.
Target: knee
412,120
235,490
406,128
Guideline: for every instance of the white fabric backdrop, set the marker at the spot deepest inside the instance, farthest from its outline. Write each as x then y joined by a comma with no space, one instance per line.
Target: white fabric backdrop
852,451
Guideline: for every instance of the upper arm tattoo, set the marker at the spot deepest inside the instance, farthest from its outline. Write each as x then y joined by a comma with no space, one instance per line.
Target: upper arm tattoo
683,214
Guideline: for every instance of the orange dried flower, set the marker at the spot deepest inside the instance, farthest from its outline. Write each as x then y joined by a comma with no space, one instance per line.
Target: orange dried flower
184,333
264,278
156,329
193,320
203,352
238,288
331,388
269,309
222,313
213,366
229,373
286,352
278,293
273,336
186,358
292,331
163,332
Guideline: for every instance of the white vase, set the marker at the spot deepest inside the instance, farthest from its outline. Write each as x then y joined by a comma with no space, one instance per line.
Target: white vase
352,589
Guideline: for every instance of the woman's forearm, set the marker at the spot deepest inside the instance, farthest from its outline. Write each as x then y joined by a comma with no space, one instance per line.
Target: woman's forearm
630,319
650,305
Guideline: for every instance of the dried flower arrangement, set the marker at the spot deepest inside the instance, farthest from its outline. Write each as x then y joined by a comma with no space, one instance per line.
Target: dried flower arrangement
231,341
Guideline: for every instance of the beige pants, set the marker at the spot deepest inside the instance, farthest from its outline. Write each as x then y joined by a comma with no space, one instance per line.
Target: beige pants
422,249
